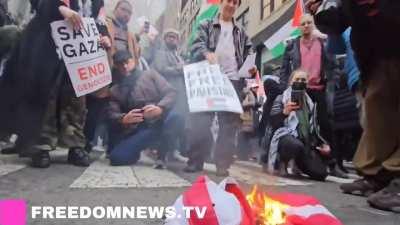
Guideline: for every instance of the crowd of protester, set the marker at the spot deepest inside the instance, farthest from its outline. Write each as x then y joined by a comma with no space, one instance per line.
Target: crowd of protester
310,116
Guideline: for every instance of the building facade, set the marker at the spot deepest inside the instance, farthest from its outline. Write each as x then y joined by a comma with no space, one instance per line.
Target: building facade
190,9
261,19
171,16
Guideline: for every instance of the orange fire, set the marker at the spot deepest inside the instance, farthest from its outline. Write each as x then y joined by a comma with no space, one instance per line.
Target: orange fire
268,211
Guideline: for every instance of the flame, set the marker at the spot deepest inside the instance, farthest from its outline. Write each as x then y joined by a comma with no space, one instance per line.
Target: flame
267,210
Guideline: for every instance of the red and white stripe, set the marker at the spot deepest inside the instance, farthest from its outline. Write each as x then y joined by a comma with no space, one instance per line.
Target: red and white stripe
305,210
206,193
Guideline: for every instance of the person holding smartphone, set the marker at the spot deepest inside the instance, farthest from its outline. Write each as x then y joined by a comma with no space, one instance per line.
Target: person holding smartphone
297,136
140,114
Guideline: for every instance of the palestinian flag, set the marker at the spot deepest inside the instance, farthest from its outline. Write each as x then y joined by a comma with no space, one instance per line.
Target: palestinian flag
290,30
207,13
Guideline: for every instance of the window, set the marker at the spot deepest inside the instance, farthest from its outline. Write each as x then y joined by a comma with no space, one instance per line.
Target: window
279,3
243,19
266,8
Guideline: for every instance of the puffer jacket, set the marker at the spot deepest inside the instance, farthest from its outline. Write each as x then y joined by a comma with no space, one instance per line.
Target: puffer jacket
207,41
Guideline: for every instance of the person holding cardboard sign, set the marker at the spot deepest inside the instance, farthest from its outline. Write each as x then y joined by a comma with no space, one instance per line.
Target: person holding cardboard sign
39,103
220,41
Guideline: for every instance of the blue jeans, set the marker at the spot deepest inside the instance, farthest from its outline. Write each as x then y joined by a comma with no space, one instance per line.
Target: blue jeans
163,135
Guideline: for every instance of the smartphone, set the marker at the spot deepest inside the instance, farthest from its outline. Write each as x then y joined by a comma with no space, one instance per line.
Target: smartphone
146,27
297,97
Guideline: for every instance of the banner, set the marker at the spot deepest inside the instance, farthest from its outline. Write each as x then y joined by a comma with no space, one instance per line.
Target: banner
209,90
85,58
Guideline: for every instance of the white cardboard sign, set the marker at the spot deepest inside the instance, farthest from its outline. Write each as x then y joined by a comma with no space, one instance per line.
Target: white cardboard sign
84,57
209,90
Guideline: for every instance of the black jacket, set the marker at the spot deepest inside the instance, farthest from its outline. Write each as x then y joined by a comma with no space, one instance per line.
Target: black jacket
32,75
207,41
373,35
292,61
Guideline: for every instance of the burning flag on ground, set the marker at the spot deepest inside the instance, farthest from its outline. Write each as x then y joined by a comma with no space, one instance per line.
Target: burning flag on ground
289,209
225,204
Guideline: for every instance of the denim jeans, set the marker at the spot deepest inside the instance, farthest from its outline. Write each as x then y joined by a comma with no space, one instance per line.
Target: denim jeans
162,135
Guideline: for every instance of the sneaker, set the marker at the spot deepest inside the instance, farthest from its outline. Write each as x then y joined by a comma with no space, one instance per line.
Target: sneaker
159,165
387,199
176,156
41,160
363,187
78,157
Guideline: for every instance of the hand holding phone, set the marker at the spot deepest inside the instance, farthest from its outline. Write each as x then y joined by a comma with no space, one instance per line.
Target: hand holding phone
290,107
297,97
134,116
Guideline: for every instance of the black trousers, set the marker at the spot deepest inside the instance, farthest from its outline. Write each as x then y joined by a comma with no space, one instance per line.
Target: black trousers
319,97
96,114
324,122
308,161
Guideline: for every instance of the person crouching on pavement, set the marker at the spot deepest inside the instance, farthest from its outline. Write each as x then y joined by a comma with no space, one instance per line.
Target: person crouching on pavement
297,137
139,113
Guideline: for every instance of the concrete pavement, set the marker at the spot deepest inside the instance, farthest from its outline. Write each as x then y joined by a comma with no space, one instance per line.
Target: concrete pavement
102,185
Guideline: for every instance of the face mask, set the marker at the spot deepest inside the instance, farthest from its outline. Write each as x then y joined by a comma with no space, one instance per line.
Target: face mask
299,86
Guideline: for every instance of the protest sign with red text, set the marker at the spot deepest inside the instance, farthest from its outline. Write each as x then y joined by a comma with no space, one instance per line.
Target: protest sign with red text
84,57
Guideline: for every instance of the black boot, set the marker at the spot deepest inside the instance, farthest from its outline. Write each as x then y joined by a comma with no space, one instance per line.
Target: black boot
41,159
78,157
9,151
364,187
388,198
